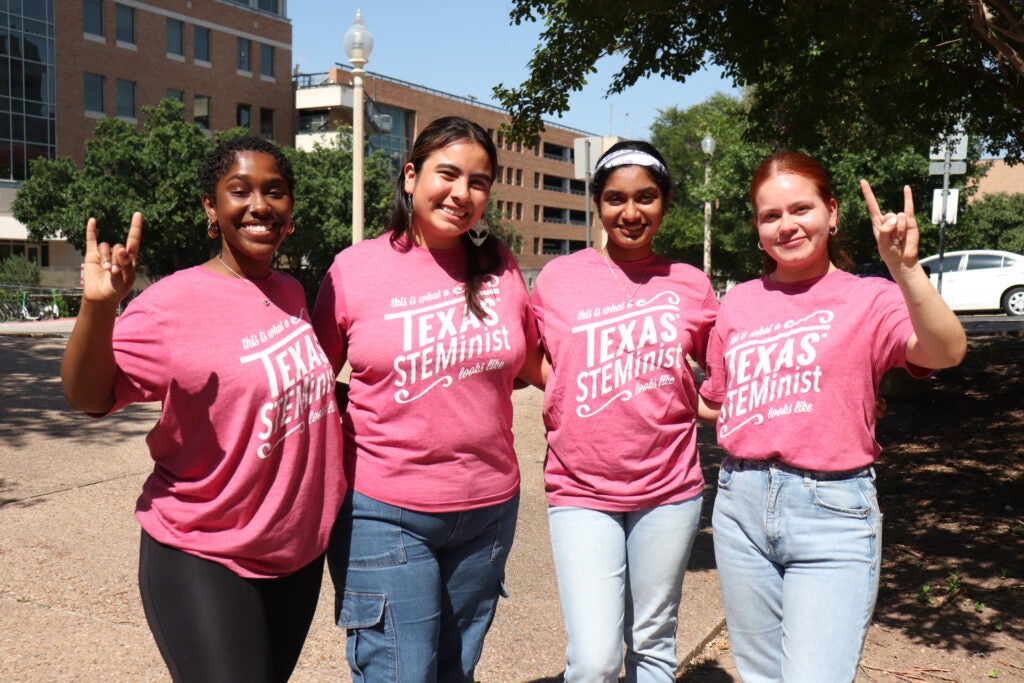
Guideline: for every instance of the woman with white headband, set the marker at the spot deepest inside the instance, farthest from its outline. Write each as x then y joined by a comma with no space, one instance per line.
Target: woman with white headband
622,475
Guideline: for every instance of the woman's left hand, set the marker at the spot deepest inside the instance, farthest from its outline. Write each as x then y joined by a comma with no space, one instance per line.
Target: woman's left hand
895,233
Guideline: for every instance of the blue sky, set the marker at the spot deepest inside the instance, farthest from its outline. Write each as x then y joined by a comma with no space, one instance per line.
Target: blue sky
466,48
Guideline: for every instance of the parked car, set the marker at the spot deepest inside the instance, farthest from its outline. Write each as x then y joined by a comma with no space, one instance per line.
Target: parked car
980,280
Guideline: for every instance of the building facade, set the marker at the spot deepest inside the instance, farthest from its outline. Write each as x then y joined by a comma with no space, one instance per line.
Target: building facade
536,190
68,63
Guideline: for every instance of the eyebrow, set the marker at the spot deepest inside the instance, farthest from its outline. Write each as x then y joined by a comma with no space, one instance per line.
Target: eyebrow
453,167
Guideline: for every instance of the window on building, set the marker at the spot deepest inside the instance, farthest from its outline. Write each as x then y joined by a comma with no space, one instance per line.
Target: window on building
244,54
269,6
519,177
174,94
94,93
175,37
126,99
202,44
201,111
243,116
92,17
266,123
125,24
266,60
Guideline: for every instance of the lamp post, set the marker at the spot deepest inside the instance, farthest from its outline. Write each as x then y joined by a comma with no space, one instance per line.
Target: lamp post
707,145
358,46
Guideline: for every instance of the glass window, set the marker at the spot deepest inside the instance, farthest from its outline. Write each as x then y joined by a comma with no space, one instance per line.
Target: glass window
175,37
173,94
266,60
202,44
92,17
266,123
980,261
201,111
125,24
270,6
243,116
244,54
126,99
94,93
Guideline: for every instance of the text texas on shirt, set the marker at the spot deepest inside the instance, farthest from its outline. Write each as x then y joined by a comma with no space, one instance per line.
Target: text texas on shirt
298,376
443,342
773,371
627,345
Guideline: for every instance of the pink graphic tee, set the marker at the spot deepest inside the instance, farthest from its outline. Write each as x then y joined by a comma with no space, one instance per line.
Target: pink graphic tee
620,402
797,367
428,426
247,450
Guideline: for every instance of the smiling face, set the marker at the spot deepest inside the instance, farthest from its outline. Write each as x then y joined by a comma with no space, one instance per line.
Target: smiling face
449,193
793,222
253,209
631,207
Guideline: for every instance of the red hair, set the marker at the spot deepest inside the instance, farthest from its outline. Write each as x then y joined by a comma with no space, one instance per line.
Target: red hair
798,163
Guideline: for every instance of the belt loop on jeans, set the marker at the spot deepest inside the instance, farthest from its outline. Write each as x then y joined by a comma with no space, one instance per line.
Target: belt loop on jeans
741,464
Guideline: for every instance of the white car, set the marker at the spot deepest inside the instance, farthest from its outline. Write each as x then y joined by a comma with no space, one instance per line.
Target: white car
980,280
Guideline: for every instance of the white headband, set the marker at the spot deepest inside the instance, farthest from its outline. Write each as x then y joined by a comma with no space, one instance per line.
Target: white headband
629,157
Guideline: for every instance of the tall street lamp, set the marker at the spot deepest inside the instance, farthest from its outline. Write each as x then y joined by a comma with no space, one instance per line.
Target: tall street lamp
707,145
358,46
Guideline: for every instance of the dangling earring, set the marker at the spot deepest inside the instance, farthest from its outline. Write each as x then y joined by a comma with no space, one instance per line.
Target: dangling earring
478,233
212,229
408,210
833,229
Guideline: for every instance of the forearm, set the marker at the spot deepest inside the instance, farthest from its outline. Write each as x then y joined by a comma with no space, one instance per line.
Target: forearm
707,411
88,369
939,338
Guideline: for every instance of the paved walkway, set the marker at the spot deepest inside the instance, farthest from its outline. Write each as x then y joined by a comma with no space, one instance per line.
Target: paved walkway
69,605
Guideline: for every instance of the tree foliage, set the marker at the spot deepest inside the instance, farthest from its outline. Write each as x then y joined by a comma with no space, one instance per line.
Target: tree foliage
995,221
824,74
677,134
155,169
18,270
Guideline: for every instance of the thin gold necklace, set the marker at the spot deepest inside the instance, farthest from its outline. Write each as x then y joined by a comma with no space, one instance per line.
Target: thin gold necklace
266,301
641,283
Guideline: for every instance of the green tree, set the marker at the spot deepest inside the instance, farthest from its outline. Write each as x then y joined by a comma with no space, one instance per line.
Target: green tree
323,207
677,134
153,169
18,270
834,73
995,221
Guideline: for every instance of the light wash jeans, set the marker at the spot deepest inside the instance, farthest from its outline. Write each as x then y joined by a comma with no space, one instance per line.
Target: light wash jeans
798,562
620,577
417,591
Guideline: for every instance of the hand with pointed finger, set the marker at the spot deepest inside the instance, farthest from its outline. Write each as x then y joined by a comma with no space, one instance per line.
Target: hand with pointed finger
109,271
895,233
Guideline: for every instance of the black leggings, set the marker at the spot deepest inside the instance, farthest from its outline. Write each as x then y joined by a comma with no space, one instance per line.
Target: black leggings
213,625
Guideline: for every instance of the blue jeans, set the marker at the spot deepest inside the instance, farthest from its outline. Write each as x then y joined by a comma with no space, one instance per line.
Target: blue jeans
798,558
417,591
620,578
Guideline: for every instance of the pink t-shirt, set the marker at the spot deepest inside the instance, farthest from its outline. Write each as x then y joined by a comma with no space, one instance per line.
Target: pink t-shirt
620,402
428,426
797,367
247,457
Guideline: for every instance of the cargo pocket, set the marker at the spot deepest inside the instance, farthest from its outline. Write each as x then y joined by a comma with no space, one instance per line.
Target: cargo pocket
370,636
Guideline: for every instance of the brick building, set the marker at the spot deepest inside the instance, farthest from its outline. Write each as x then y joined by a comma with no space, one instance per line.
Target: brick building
536,189
70,63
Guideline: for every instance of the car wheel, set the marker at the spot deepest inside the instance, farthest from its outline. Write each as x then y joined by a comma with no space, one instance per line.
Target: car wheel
1013,301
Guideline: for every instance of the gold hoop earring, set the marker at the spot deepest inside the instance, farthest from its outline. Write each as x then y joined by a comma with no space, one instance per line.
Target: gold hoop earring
212,229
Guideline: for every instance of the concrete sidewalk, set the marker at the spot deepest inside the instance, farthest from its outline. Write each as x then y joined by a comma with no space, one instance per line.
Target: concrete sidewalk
69,604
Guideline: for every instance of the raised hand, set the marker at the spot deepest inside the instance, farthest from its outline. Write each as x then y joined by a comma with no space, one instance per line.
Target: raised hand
895,233
109,272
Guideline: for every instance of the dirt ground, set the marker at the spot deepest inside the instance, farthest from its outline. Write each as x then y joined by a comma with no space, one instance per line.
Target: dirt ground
951,487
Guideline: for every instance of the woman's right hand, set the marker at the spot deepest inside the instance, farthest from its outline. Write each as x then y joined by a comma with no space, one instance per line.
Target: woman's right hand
109,271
